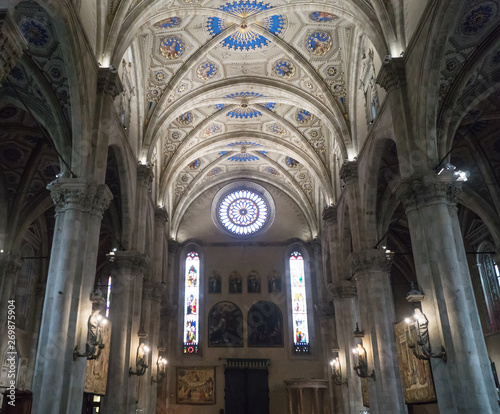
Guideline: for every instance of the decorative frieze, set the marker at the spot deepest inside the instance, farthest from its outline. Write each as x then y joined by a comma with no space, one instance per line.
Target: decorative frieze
109,82
344,290
12,44
370,260
392,74
428,189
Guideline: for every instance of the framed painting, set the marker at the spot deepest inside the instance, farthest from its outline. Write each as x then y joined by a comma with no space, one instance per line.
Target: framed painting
195,386
416,373
225,325
265,325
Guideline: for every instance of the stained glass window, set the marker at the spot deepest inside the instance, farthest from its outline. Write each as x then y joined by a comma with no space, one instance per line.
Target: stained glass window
243,212
108,297
299,304
191,303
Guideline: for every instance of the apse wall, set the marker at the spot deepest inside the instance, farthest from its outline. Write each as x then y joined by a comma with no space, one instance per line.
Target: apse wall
266,257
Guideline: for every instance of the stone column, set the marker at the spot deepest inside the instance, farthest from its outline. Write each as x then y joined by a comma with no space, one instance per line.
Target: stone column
12,43
345,302
126,267
464,384
56,374
371,271
39,294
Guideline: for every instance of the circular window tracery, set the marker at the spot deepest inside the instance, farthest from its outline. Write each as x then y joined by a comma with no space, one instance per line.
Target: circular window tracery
243,212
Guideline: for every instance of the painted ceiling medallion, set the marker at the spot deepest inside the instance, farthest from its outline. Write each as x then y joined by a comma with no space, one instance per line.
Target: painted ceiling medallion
245,38
35,32
291,162
331,70
168,23
244,111
243,212
206,70
319,43
245,95
284,68
185,119
276,129
214,171
322,17
175,135
303,116
272,171
246,143
193,165
211,130
478,18
172,47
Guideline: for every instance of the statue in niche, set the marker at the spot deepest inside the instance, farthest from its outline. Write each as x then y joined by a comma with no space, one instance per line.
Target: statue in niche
274,282
234,282
253,282
214,282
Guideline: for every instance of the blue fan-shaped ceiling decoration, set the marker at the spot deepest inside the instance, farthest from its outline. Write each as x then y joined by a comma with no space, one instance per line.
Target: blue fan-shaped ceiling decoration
245,38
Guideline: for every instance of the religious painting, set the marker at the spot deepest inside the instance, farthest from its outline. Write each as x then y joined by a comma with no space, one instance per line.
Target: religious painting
195,386
214,282
234,282
415,373
274,282
319,43
225,325
172,47
253,282
265,325
96,375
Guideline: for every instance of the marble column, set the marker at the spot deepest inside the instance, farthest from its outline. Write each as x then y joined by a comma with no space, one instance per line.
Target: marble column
345,302
56,374
464,384
371,272
126,268
12,43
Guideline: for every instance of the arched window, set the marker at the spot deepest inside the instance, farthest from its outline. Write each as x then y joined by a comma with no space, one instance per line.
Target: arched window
299,304
108,297
191,303
490,280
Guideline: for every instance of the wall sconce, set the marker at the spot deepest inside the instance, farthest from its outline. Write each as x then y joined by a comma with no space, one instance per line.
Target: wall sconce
336,370
161,370
94,344
140,361
424,351
362,367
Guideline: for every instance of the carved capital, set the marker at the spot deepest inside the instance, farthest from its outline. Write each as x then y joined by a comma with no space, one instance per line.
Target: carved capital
71,194
428,189
12,43
172,246
330,214
349,171
145,174
101,200
369,260
392,74
344,290
131,262
109,82
324,309
161,215
316,247
9,265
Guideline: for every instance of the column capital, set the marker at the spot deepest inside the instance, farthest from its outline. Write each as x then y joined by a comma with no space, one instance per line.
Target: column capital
101,200
161,215
71,194
392,74
345,289
330,214
12,43
145,174
349,171
172,246
325,310
370,259
9,265
428,189
137,262
109,82
316,247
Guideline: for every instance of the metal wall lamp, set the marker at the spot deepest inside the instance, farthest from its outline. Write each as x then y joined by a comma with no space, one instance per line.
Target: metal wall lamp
362,368
140,361
94,344
161,370
424,346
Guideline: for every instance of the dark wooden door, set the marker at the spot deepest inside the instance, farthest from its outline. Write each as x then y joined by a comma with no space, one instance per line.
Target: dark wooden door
246,391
